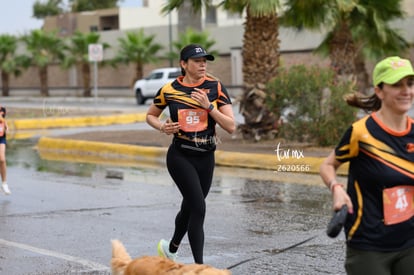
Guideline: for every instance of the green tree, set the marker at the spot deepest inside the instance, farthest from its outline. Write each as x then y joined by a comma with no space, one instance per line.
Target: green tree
191,36
356,30
54,7
139,49
78,55
44,48
50,8
11,63
260,53
90,5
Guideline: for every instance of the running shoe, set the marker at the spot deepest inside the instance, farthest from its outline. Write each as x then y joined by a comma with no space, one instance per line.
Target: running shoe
5,188
164,250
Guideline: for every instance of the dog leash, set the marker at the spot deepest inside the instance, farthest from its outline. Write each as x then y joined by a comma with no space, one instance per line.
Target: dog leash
333,229
274,251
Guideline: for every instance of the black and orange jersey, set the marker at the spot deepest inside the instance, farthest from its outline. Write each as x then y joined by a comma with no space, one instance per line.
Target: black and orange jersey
3,124
379,158
177,96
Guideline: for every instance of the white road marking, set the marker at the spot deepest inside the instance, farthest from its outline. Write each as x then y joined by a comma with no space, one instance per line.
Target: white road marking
89,264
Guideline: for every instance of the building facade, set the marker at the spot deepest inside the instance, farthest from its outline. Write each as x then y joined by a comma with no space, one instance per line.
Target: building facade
225,28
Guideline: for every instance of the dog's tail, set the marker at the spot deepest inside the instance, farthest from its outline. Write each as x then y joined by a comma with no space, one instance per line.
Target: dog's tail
120,258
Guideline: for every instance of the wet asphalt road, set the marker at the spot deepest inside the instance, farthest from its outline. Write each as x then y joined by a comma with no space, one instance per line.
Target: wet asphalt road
61,217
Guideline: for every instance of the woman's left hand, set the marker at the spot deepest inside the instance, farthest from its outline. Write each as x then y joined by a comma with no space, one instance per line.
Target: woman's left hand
341,197
201,97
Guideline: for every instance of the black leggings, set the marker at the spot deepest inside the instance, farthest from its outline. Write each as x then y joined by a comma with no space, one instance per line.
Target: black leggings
192,172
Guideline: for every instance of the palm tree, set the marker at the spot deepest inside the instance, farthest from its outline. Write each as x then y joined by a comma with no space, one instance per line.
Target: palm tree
10,62
139,49
44,49
260,53
191,36
188,13
356,30
78,55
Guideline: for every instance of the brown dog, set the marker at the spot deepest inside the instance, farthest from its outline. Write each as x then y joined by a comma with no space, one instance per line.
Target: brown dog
122,264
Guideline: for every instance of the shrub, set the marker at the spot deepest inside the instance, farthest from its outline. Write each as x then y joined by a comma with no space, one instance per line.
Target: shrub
309,101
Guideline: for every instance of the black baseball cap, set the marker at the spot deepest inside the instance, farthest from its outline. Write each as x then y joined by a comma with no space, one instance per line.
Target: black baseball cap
194,51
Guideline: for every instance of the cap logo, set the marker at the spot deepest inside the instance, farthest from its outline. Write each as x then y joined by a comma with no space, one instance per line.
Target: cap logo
199,50
398,64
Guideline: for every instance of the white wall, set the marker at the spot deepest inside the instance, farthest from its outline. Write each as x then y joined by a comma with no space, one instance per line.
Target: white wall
408,7
142,17
133,18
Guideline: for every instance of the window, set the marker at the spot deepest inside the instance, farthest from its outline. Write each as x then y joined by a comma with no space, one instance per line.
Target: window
157,75
211,15
174,74
110,22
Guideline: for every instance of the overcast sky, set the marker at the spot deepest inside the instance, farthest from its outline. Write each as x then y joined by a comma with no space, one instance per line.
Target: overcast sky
16,15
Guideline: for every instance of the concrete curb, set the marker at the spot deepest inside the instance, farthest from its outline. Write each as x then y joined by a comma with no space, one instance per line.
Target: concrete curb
68,122
102,149
133,155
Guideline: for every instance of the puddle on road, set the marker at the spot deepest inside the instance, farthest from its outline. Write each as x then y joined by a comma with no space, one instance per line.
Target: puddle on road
253,186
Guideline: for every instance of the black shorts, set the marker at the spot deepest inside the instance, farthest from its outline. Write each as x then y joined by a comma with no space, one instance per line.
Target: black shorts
3,139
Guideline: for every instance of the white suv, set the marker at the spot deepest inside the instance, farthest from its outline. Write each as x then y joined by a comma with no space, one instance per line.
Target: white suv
148,87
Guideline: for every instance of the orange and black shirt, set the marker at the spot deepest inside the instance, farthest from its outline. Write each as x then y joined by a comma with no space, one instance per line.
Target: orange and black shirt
2,122
194,120
379,158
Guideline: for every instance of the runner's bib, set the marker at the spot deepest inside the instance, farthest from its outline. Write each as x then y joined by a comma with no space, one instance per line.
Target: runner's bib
398,204
192,120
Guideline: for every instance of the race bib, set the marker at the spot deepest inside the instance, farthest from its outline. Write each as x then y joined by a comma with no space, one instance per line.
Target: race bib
192,120
398,204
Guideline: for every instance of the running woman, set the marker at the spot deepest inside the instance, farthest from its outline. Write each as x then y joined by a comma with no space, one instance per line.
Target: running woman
380,190
3,166
196,103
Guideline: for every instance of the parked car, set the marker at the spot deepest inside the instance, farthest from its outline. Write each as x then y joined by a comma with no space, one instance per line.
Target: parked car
147,87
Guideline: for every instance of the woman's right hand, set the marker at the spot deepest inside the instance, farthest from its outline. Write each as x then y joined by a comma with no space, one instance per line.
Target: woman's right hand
169,127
